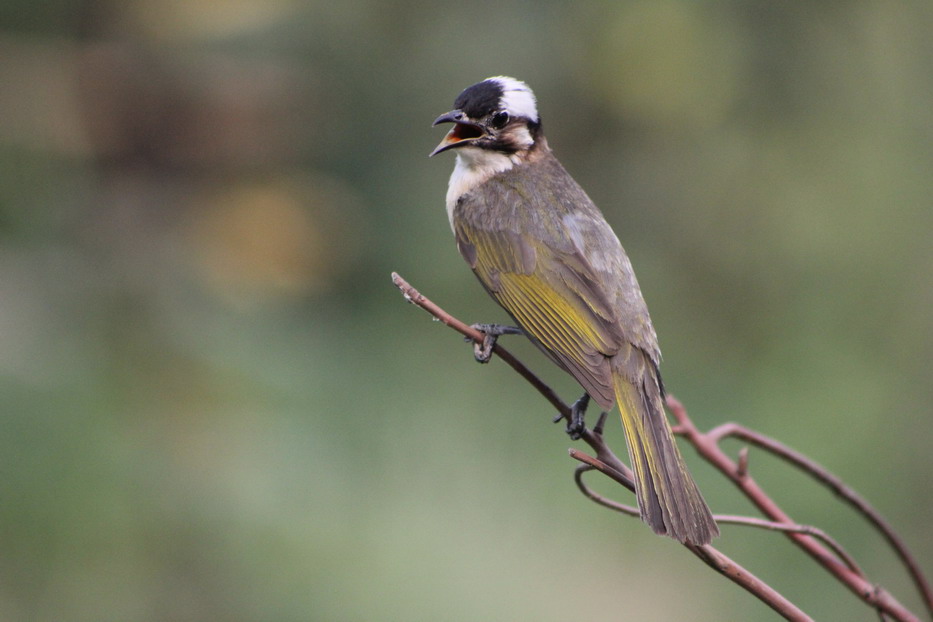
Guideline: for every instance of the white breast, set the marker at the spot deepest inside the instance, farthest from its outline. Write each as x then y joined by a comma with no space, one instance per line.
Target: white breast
473,167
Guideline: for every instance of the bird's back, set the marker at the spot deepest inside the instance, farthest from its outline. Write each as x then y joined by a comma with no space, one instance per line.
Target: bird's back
535,221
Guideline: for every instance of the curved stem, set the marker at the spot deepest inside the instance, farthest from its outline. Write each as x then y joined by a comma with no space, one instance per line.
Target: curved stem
840,489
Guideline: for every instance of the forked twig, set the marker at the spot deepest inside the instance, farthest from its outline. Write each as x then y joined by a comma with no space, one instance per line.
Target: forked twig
707,446
843,491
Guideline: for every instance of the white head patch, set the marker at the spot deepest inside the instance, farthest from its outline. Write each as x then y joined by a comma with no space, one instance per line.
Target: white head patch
517,98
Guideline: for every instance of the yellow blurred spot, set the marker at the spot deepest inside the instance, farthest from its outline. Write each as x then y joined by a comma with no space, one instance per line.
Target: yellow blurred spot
184,19
260,241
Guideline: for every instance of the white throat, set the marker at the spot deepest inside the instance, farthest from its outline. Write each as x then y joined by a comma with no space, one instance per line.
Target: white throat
473,167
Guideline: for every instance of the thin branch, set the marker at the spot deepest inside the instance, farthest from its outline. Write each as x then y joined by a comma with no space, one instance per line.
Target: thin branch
595,464
810,530
592,464
712,557
416,298
844,492
740,576
708,448
591,494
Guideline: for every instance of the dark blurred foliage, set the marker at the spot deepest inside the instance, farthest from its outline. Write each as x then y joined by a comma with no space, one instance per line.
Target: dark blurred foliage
216,406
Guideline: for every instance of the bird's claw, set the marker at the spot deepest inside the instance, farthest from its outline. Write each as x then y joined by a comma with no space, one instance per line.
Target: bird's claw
482,352
577,423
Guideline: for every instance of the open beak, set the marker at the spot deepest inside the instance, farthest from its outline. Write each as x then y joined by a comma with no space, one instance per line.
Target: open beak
463,132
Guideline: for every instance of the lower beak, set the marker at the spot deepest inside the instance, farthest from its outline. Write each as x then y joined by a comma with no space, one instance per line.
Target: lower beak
463,131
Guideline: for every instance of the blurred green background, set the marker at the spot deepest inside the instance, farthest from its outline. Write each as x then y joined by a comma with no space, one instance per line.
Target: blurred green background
215,406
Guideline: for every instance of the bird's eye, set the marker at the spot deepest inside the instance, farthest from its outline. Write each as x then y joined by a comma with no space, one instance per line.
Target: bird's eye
500,119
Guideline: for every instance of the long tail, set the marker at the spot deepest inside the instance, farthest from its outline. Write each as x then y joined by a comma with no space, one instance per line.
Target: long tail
668,497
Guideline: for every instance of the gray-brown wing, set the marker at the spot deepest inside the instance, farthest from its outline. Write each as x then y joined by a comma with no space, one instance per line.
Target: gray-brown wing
544,252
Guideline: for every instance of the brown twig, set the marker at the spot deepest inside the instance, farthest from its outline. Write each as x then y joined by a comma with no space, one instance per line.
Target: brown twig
810,530
733,571
844,492
810,539
416,298
591,464
706,445
714,558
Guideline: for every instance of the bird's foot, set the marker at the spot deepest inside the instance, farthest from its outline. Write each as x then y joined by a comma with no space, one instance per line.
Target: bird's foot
491,332
577,422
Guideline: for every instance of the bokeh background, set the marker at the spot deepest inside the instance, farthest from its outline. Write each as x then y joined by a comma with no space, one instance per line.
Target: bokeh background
215,406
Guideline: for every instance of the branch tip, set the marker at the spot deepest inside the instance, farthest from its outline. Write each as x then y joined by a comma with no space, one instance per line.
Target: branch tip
741,468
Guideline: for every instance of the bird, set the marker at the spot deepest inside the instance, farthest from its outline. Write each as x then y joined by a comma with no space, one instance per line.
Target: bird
544,252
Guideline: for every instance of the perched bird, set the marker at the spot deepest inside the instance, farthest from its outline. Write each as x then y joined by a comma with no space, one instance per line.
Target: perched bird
546,254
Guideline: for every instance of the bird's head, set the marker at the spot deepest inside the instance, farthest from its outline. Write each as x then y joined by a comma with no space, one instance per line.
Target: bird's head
498,114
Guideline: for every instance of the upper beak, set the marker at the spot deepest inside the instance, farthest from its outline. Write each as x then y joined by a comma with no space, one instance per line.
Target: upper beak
463,131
